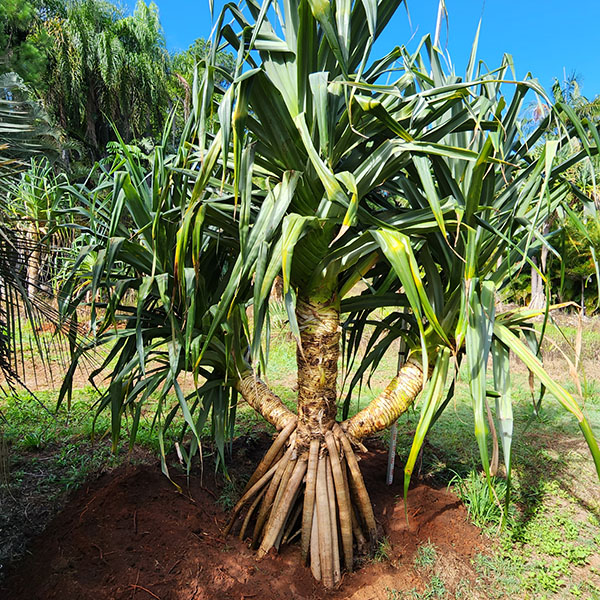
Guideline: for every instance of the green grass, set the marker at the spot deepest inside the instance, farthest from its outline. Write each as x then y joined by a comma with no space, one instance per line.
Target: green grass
425,560
434,589
383,550
485,501
552,534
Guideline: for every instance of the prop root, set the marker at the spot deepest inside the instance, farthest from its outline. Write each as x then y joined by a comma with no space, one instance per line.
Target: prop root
316,492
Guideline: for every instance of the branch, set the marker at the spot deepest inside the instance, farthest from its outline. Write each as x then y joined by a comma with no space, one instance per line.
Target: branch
258,395
389,405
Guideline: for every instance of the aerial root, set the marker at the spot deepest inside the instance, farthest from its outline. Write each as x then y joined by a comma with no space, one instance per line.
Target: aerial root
274,451
317,493
308,509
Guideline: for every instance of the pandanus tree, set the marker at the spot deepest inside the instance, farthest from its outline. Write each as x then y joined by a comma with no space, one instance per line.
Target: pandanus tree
35,207
26,136
419,196
424,189
156,247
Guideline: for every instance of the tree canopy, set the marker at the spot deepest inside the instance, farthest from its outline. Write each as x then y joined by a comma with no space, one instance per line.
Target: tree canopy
105,69
97,69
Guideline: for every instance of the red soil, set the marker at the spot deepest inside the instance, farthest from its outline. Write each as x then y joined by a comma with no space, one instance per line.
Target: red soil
129,535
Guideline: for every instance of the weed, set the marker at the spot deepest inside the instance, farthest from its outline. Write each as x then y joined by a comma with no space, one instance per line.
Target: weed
393,594
484,501
434,589
426,555
463,590
229,494
384,548
34,440
576,591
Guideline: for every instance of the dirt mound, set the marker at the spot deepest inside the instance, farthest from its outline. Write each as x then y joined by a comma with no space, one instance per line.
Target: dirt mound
130,535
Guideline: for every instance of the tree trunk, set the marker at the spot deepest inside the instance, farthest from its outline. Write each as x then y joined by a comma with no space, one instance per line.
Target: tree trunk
90,119
317,360
538,295
33,262
309,482
187,102
537,288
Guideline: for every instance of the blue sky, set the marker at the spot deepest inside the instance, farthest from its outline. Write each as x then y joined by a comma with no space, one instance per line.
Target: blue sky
547,38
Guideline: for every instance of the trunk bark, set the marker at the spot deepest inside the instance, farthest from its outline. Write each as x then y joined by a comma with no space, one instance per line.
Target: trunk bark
258,395
317,359
537,289
538,296
395,400
33,263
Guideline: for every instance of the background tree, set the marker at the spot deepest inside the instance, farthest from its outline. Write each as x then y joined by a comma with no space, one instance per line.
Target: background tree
574,277
20,52
567,97
36,207
105,68
25,129
183,68
25,135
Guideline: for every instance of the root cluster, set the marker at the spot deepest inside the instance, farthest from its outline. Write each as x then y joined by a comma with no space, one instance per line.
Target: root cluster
317,493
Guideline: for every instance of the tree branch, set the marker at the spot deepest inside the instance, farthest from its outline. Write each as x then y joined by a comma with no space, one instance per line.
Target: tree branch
258,395
389,405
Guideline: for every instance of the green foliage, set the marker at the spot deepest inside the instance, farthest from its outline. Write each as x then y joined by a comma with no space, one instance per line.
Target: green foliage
20,50
105,68
188,64
25,130
426,556
434,589
382,552
485,501
37,206
162,249
577,268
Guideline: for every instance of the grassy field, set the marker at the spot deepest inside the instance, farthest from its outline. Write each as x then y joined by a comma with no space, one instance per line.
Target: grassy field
549,547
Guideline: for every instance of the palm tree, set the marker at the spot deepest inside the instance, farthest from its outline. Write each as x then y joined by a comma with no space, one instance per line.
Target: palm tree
422,188
25,128
105,67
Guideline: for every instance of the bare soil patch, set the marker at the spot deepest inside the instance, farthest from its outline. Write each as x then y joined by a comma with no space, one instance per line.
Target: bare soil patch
129,535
